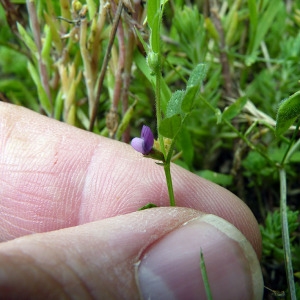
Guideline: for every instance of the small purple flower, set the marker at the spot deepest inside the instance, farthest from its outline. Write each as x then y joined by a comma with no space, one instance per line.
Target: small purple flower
145,143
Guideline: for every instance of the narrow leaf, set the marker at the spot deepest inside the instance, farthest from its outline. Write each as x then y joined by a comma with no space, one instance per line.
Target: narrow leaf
234,109
174,104
205,277
193,86
43,98
155,34
221,179
147,206
125,121
253,15
288,112
260,25
27,39
197,75
152,9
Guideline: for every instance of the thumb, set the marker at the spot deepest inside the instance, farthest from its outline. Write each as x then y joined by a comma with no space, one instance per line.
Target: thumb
149,254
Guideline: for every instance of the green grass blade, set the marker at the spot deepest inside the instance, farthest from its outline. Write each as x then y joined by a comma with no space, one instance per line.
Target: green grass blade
205,277
285,236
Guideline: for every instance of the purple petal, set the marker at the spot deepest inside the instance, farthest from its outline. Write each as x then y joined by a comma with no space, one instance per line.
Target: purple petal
138,145
148,138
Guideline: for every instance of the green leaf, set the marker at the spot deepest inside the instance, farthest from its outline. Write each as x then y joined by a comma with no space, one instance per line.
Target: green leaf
288,112
147,206
54,29
222,179
155,34
193,86
125,120
260,24
153,18
152,9
253,16
91,4
27,39
142,41
234,109
197,75
169,127
58,105
205,277
174,104
45,102
18,92
189,99
47,46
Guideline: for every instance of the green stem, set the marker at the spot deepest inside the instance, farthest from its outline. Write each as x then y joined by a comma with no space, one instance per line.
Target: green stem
291,143
158,106
292,150
285,235
155,63
167,168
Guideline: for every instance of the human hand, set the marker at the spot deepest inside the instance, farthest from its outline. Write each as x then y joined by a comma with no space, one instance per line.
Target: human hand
79,193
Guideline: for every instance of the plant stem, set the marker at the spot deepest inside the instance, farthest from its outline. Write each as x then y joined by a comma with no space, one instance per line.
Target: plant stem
158,107
285,235
167,165
118,73
87,73
167,168
157,69
38,41
127,80
95,38
287,153
293,150
104,64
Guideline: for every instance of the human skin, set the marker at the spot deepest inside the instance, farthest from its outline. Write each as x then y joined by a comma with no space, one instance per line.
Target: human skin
68,206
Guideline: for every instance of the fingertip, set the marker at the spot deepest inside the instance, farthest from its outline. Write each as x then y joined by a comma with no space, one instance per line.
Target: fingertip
170,269
100,258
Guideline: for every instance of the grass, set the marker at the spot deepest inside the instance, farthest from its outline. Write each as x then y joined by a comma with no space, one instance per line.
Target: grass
78,64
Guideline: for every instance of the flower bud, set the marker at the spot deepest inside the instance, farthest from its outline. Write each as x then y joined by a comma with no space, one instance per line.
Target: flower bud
77,6
153,61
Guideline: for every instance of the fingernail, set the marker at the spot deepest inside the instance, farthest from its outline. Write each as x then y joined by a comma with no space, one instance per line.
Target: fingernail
170,269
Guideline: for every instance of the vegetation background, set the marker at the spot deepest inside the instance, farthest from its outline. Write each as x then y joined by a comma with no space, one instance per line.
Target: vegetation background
76,63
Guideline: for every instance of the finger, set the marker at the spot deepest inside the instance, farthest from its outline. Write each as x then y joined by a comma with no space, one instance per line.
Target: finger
155,251
55,176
